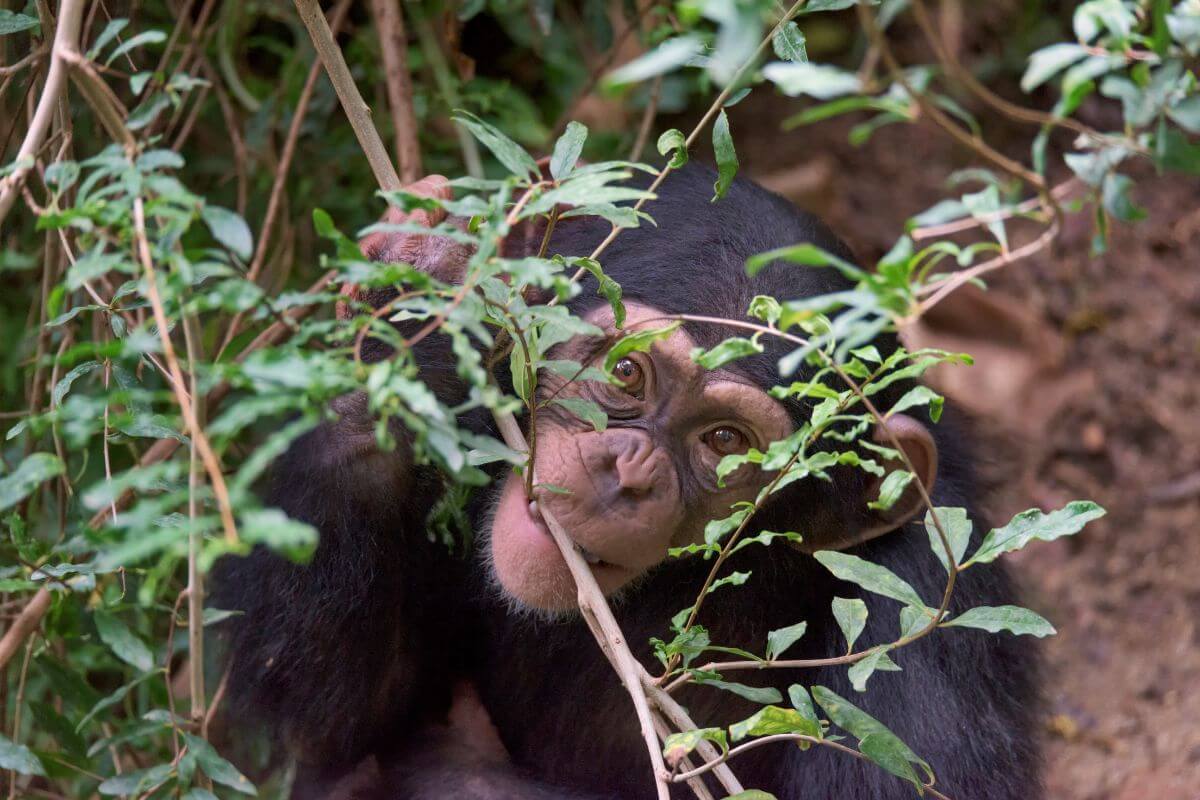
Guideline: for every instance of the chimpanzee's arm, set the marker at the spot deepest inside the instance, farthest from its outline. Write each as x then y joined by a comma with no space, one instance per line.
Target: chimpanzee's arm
343,652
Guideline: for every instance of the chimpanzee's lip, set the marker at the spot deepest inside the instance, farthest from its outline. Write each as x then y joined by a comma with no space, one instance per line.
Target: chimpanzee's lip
593,560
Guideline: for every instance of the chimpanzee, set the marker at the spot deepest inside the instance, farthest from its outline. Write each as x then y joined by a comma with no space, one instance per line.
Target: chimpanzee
353,659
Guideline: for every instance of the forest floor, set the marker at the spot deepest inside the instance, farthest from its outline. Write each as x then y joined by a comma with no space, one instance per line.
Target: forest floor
1086,386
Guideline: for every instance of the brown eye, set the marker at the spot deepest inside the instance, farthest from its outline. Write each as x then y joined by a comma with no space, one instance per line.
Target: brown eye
726,441
630,375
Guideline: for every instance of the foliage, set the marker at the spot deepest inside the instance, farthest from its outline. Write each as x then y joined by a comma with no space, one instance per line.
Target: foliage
164,350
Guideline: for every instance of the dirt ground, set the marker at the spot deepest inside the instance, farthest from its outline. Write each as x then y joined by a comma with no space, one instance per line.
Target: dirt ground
1091,394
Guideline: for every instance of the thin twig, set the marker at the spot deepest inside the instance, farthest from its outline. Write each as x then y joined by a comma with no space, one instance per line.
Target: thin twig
25,624
357,110
211,465
66,39
393,44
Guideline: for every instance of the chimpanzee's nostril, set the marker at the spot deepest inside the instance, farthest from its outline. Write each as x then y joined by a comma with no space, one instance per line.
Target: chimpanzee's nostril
635,471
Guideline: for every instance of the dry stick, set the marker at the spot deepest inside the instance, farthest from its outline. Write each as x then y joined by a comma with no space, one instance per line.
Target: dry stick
393,42
186,407
281,172
195,579
25,624
673,711
357,110
66,38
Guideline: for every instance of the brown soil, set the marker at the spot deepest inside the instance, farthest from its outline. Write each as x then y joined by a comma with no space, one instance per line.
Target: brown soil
1122,713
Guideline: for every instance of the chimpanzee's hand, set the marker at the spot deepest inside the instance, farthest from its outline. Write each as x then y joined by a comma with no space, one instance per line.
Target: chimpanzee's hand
440,257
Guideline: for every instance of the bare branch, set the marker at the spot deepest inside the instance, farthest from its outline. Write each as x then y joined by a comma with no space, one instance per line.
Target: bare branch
357,110
393,44
66,40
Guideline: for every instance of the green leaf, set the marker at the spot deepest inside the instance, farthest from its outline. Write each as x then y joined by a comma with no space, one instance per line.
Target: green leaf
815,6
673,140
1034,524
994,619
716,529
789,42
669,55
726,351
891,489
1186,113
851,617
18,757
801,701
805,254
795,78
229,229
772,720
752,794
727,162
276,530
678,745
143,38
871,577
138,781
637,341
110,32
1048,62
888,752
860,724
122,641
586,410
567,150
861,671
514,157
920,396
957,526
608,288
21,482
781,639
755,694
1117,202
216,767
12,22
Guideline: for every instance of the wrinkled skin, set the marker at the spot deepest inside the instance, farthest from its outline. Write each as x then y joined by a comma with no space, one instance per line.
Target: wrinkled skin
646,483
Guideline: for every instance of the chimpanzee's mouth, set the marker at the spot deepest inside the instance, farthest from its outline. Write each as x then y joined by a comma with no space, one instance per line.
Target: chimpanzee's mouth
591,558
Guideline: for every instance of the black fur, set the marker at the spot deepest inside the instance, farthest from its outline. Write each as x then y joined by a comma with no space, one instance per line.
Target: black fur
352,655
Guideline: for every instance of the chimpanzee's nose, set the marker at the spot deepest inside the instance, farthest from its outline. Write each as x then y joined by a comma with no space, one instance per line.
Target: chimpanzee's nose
635,466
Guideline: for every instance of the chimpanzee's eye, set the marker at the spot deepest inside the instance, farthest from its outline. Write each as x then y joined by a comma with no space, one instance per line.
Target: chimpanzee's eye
632,379
727,441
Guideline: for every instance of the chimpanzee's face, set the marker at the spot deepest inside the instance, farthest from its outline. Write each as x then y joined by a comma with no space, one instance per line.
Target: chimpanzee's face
646,483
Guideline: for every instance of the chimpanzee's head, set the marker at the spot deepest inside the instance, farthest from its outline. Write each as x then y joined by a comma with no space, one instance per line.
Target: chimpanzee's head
648,481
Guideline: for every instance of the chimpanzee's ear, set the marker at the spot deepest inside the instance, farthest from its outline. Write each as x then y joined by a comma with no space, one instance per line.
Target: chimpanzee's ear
918,445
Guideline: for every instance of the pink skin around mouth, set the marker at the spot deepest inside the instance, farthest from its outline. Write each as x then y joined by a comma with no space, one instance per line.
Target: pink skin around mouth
525,531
